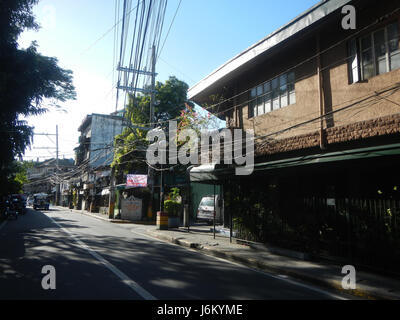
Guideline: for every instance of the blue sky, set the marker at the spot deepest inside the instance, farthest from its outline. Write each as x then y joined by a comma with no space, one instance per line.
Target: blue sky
205,34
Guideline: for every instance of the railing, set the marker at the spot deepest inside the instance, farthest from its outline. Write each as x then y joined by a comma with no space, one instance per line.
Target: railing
363,230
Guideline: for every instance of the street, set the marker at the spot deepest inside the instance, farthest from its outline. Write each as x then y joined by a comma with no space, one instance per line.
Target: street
100,260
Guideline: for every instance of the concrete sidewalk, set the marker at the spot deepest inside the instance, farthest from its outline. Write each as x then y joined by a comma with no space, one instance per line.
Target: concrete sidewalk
200,237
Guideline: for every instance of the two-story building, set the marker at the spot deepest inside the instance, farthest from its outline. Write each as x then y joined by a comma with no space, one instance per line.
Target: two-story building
323,102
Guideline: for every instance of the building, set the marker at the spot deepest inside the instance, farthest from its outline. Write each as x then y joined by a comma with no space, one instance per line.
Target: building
94,156
323,102
45,176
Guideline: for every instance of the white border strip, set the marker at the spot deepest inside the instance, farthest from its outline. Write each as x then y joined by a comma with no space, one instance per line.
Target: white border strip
3,224
125,279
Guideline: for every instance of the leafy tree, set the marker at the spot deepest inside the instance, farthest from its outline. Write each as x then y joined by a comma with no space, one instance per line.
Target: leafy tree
15,177
131,144
26,79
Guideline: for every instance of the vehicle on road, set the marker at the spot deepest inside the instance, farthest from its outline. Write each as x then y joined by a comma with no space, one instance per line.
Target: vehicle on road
19,202
207,208
10,209
29,201
41,201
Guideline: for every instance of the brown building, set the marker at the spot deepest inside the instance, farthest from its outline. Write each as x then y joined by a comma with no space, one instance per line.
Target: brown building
324,105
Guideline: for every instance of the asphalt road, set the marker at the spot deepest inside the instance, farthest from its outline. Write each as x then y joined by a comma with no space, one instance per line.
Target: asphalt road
94,259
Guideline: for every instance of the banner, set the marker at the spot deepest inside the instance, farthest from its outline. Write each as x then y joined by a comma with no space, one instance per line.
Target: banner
136,180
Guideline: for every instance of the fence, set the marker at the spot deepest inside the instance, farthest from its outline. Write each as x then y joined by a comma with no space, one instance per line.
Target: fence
357,230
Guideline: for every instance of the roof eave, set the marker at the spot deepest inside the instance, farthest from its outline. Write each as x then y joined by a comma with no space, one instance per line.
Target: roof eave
304,20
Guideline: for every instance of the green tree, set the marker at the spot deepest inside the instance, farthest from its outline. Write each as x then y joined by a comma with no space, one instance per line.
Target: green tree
26,79
171,99
16,176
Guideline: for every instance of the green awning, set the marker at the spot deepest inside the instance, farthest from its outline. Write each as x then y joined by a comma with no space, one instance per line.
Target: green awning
211,173
353,154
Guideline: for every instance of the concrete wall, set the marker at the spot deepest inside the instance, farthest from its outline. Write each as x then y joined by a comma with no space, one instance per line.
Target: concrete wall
338,92
103,131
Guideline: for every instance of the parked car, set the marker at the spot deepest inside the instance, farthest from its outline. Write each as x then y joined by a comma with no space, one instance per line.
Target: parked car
205,211
40,201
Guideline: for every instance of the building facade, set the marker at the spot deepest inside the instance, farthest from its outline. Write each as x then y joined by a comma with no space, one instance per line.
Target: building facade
94,156
323,103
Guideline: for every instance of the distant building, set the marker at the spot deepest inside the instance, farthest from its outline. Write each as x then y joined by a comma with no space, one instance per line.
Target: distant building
97,139
94,156
43,177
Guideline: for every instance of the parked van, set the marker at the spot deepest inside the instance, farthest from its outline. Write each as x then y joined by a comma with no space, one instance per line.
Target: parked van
205,211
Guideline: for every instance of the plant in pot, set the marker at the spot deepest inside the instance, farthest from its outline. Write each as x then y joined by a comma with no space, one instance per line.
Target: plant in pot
172,206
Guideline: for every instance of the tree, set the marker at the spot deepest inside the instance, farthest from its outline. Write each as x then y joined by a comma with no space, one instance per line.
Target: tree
131,145
15,177
26,79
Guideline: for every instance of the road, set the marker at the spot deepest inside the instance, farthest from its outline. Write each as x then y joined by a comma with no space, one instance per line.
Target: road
94,259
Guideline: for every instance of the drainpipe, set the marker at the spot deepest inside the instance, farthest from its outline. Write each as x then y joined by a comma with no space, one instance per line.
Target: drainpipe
322,144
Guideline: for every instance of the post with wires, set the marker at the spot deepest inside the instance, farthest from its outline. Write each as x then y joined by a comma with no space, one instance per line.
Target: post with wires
152,121
111,202
57,170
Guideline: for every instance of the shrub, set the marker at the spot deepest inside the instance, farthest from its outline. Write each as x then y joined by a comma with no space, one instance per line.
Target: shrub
172,207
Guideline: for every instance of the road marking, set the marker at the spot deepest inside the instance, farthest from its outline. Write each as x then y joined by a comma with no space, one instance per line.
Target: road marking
125,279
3,224
279,277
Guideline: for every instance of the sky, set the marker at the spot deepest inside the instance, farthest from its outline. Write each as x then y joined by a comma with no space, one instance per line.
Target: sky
203,36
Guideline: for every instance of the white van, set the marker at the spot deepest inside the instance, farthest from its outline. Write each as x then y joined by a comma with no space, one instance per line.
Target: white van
205,211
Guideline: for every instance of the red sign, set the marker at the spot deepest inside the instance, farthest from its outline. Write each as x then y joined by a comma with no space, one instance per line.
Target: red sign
136,180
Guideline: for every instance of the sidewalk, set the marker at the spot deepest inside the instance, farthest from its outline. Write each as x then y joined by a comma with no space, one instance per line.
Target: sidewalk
369,285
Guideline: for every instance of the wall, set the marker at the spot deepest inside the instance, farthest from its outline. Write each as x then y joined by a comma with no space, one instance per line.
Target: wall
103,131
372,117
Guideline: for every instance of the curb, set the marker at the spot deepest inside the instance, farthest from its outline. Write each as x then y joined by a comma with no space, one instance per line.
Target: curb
95,216
260,265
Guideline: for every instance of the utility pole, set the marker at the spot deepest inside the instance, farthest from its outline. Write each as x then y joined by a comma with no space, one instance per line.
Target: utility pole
57,154
152,122
129,87
58,182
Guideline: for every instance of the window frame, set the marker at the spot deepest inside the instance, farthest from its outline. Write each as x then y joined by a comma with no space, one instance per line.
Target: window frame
358,56
268,104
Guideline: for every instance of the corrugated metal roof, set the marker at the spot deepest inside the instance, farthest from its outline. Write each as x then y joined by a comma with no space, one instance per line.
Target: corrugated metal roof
304,20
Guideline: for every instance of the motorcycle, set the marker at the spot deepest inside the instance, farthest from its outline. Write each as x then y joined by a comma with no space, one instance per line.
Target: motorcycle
11,210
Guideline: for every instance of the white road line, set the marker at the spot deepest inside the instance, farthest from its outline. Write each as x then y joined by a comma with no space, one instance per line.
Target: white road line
3,224
279,277
125,279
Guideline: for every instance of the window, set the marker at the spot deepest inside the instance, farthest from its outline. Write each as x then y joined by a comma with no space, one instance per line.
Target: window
272,95
374,54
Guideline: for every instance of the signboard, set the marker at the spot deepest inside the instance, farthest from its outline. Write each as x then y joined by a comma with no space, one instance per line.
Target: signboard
131,209
136,180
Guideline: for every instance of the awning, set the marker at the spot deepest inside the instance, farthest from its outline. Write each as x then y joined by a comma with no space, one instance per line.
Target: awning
353,154
209,172
201,90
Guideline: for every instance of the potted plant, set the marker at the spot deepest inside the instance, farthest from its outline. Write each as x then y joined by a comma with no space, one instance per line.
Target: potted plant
172,206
